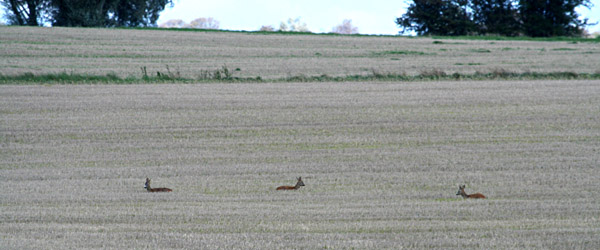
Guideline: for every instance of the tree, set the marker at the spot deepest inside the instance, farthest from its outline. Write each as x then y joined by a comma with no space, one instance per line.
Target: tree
503,17
82,13
266,28
545,18
495,17
87,13
173,23
293,25
345,28
137,13
26,12
437,17
204,23
198,23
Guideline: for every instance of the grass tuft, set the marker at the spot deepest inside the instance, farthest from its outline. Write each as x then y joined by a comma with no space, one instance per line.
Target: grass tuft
402,52
564,49
442,42
222,74
481,50
432,74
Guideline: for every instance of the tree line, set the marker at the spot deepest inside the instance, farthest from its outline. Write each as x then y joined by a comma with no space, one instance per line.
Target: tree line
84,13
535,18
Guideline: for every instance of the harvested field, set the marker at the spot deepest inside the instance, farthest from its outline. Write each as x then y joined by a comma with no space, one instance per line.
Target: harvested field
381,161
273,56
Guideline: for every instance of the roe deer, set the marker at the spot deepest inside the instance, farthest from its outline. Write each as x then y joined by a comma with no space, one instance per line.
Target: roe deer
147,187
298,185
461,192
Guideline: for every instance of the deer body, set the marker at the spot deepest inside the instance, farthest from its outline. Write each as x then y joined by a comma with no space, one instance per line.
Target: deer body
162,189
299,184
461,192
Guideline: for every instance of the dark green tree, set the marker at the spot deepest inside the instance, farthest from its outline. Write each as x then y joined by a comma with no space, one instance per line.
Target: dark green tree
107,13
81,13
495,17
545,18
437,17
84,13
26,12
504,17
136,13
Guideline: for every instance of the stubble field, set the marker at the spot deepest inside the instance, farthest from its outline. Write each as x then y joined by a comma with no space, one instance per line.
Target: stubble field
273,56
381,161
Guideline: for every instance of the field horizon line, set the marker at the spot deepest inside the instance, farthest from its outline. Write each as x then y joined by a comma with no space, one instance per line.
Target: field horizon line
489,37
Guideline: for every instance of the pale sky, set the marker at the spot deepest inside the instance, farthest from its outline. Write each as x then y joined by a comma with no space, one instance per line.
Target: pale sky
371,17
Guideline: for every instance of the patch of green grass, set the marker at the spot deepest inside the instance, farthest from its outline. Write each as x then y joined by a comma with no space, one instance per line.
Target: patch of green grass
522,38
485,38
442,42
564,49
256,32
62,78
480,50
470,64
402,52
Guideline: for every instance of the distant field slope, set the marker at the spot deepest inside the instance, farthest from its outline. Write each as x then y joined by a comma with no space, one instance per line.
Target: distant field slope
381,163
124,52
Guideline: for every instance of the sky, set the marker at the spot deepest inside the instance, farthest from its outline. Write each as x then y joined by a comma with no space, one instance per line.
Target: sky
371,17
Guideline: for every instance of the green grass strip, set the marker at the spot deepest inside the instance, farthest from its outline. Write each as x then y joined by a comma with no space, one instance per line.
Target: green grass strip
481,37
72,78
521,38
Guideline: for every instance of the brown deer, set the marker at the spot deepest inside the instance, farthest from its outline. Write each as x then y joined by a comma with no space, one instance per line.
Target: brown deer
299,184
461,192
147,187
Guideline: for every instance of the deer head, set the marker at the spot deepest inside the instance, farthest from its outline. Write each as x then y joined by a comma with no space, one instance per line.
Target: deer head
300,182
